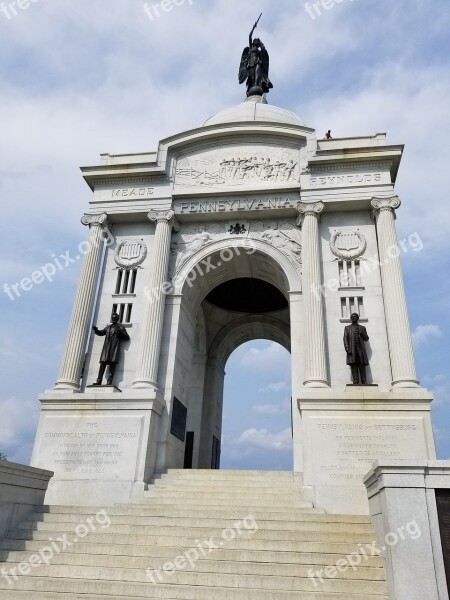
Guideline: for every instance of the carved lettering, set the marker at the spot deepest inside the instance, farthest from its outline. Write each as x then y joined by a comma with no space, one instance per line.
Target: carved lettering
212,206
133,192
339,180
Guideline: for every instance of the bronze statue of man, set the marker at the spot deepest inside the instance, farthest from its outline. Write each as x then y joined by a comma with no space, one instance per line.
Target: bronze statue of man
354,337
113,333
254,66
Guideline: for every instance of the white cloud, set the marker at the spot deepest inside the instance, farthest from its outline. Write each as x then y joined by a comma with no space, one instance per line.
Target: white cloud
423,333
442,394
266,440
439,385
280,386
17,427
270,358
273,410
109,87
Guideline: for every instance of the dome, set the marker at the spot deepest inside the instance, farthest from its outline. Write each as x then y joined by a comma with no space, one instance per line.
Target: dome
255,111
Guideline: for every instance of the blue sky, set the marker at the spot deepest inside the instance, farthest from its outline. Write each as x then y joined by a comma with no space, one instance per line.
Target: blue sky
81,77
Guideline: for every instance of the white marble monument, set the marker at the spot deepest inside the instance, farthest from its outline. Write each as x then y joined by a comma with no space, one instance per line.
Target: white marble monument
178,238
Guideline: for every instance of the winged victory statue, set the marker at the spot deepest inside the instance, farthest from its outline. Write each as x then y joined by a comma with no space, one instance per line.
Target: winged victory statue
255,66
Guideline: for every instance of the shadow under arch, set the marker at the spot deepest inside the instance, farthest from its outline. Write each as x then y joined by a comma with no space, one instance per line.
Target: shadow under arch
207,268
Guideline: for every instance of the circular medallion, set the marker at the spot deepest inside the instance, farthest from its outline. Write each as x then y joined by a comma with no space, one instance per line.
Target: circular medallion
130,254
348,245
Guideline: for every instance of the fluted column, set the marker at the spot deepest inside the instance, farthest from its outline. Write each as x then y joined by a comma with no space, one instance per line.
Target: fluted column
314,345
152,326
77,336
396,311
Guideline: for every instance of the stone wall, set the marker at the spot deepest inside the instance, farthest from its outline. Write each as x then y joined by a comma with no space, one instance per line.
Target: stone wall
21,489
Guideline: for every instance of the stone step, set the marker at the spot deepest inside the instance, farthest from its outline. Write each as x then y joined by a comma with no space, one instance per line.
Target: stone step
188,514
197,522
210,474
111,577
219,501
226,484
162,510
180,593
247,563
196,585
308,554
230,492
29,529
188,488
309,542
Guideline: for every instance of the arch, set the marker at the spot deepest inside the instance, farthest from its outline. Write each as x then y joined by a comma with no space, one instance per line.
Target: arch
248,328
194,281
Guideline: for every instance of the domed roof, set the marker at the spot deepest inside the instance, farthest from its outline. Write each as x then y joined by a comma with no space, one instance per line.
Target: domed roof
251,110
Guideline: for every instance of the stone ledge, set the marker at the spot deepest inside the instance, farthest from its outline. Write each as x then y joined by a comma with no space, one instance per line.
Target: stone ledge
103,400
15,474
424,474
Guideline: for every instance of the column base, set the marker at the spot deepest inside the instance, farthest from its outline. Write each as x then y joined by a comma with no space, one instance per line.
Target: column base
405,383
66,385
145,385
314,383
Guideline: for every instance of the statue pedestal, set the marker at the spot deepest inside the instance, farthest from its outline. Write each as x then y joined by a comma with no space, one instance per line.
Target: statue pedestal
344,433
104,389
100,444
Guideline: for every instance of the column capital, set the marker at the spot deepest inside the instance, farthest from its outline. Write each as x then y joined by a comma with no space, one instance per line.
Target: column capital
97,220
310,208
158,216
390,203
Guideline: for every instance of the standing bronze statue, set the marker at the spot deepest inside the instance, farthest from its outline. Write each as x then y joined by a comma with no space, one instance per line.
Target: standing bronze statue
255,66
354,337
113,333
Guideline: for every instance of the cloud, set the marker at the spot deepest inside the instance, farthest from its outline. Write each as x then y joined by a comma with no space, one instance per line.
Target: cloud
439,385
442,394
280,386
263,439
80,78
273,410
423,333
17,427
270,358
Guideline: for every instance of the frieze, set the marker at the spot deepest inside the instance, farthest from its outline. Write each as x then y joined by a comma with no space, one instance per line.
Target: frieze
283,235
233,167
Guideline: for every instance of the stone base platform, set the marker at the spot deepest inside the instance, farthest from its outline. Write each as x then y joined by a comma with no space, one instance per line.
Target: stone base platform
345,433
101,444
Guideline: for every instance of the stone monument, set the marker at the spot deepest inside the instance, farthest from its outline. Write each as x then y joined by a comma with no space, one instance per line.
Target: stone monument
251,200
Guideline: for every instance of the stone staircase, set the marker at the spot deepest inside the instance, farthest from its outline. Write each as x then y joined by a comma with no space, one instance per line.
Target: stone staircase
221,535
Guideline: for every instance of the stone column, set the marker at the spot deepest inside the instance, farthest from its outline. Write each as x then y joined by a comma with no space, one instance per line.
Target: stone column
396,311
314,336
77,336
152,326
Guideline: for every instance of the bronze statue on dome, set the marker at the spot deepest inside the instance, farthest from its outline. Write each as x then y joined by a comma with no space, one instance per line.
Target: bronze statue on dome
255,66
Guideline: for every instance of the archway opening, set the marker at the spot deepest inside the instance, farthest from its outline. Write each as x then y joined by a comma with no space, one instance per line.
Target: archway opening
257,423
231,297
247,295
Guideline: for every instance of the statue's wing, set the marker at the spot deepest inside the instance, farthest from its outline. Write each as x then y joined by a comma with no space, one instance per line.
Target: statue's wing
265,60
243,71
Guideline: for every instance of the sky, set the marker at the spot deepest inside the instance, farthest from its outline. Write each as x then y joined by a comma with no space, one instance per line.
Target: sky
83,77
